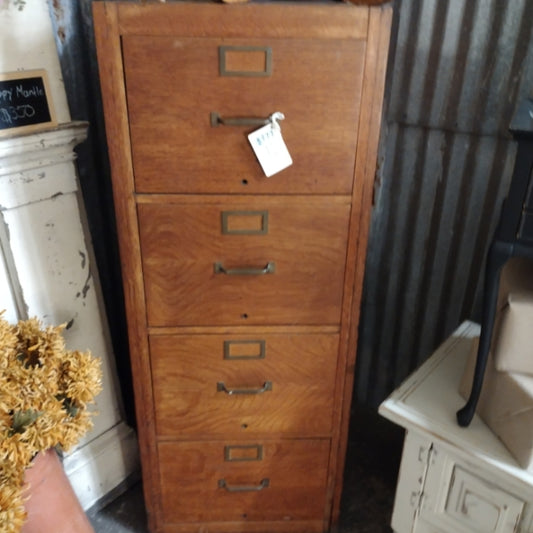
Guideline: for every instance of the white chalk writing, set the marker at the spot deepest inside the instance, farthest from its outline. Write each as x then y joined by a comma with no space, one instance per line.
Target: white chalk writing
11,114
6,95
31,92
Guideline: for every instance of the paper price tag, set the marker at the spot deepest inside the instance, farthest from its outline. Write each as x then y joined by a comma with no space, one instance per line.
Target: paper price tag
270,148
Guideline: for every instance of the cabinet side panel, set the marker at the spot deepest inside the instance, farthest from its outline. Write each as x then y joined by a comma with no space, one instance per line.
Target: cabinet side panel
108,46
365,167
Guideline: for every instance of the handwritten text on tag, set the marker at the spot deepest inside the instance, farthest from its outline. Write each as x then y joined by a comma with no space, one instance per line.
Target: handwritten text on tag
270,148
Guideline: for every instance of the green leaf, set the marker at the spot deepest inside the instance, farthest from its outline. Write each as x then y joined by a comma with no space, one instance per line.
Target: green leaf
22,419
68,405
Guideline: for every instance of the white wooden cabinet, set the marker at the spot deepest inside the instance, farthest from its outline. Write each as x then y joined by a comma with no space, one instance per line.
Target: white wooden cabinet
453,479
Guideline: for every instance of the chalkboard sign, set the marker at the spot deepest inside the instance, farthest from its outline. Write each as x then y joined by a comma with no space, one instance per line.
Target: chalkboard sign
25,105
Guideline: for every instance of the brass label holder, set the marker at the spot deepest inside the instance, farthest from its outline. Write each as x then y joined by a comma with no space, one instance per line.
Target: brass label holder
245,61
249,452
244,349
244,222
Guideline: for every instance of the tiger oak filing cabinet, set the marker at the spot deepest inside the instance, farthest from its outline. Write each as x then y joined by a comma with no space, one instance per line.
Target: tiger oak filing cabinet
242,291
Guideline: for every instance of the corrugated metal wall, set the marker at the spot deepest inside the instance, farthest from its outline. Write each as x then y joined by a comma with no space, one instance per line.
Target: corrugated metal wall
458,69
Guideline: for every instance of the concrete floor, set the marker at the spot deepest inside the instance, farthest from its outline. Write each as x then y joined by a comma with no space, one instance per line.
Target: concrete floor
372,464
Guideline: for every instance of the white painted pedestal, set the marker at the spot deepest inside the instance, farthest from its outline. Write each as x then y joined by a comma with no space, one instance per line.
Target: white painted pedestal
453,479
46,270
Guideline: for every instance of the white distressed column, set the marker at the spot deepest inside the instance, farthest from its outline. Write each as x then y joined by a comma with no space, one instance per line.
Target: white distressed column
49,271
46,264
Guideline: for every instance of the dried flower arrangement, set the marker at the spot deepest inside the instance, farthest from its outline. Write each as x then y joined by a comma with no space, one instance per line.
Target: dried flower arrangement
45,390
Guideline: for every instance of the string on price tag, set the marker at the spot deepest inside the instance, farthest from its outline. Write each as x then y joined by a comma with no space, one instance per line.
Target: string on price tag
269,146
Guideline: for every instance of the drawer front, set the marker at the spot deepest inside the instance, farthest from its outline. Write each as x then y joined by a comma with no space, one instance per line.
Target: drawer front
243,481
176,149
275,263
242,384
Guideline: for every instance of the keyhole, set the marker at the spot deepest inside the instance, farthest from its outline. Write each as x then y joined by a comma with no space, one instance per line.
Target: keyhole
244,182
244,315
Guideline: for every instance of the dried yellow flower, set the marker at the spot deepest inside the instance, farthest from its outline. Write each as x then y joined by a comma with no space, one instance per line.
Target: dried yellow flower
45,390
12,513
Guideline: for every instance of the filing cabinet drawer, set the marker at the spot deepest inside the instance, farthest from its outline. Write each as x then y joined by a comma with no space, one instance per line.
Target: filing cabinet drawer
244,480
170,100
243,384
257,261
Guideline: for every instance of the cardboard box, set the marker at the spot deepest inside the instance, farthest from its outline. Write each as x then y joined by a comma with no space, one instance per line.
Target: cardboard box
512,341
506,406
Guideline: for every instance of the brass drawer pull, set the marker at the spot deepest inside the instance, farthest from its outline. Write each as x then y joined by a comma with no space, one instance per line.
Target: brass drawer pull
263,484
217,120
221,387
269,268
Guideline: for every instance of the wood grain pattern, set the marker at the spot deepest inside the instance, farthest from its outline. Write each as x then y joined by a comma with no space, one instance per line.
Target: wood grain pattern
172,179
175,148
240,526
187,368
367,151
107,37
277,20
181,243
296,491
242,330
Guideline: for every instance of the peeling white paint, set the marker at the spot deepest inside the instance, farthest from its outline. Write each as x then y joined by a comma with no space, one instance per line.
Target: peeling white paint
51,259
45,256
11,301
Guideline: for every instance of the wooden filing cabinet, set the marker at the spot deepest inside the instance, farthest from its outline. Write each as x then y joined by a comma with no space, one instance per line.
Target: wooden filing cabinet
242,291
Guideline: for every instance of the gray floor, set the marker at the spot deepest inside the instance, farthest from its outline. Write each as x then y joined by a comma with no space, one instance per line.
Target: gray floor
372,464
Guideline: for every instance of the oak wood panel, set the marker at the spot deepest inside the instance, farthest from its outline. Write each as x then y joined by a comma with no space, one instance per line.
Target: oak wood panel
181,243
265,526
175,148
107,39
241,330
329,273
283,20
296,469
187,368
243,201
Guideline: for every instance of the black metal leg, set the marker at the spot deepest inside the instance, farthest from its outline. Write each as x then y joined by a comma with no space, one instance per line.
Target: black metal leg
495,261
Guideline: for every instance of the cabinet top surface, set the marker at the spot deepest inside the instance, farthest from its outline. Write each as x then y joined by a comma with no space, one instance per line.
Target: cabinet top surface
329,20
428,399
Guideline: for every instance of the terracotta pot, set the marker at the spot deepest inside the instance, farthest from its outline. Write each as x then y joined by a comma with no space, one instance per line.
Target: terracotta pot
51,503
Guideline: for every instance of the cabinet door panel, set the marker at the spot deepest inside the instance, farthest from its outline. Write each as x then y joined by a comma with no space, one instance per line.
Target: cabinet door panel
170,99
203,388
462,498
183,245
